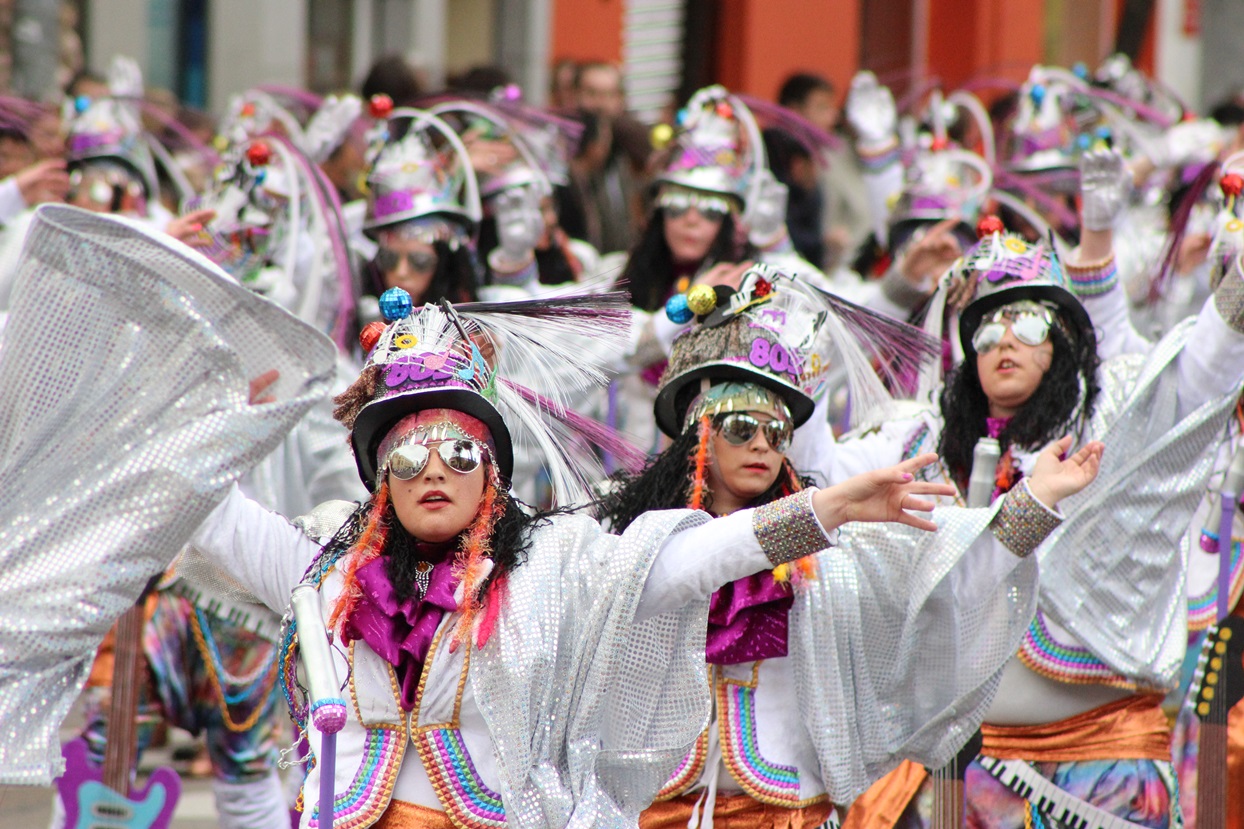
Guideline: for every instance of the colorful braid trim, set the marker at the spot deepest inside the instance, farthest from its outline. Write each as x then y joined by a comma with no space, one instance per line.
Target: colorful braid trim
1065,663
1202,609
767,782
372,787
1093,280
469,803
688,771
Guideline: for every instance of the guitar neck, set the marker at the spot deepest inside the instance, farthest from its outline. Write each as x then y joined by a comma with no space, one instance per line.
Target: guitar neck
122,744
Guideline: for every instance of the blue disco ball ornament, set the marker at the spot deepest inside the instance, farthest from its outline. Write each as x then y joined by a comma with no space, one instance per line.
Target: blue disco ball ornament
1037,93
395,304
677,310
81,103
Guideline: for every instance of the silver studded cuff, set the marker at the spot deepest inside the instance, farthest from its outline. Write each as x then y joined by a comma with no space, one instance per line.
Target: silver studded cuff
1023,522
1229,297
787,528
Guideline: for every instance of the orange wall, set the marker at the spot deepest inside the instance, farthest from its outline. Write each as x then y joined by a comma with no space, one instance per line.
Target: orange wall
587,30
994,38
761,42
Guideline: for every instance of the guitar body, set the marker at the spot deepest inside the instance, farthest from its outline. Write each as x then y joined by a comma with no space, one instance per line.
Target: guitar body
90,804
99,797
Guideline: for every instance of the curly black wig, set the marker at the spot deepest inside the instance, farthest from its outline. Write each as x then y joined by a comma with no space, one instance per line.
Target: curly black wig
511,541
649,272
1062,403
666,483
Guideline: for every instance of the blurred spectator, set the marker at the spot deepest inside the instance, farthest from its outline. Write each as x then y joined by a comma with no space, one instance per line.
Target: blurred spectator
609,169
479,80
844,213
795,167
391,75
561,85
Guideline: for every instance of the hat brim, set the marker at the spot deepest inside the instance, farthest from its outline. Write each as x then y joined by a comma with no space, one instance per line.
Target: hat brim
372,228
669,420
971,316
376,419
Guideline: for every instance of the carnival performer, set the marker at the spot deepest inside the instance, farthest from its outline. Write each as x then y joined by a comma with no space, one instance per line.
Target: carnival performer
26,179
545,676
717,206
423,210
794,731
520,154
276,232
1108,636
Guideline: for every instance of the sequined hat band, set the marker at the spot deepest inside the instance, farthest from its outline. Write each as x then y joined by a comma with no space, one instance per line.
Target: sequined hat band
736,397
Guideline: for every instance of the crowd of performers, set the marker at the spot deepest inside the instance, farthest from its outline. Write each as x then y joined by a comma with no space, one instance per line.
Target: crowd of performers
939,529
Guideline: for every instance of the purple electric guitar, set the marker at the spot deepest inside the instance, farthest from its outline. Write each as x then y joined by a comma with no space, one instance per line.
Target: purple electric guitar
101,798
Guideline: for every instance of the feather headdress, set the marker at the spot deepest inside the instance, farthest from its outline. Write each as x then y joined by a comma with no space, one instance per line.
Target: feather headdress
780,332
515,366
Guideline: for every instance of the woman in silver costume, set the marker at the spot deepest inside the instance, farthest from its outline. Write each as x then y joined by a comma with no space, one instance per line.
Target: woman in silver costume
794,733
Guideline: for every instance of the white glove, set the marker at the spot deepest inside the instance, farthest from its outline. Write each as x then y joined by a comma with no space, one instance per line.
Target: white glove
766,214
1187,142
519,225
125,78
1105,184
871,111
329,126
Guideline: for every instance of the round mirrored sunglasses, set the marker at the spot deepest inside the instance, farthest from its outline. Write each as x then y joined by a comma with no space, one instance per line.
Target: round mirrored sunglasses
740,428
408,460
1030,327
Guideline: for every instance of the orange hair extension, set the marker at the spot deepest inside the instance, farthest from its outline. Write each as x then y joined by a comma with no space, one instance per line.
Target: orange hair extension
473,563
701,464
497,592
364,550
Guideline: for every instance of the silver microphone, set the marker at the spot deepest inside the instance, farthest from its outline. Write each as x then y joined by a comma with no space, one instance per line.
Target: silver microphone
983,480
328,708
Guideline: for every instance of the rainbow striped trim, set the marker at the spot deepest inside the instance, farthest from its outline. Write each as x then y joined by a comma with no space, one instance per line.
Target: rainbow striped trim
1202,609
1093,280
1065,663
688,771
469,803
766,782
368,796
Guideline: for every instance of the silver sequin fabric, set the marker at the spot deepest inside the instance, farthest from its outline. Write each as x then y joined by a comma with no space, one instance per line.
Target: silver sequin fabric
787,528
1111,572
125,418
590,712
1023,523
900,642
1229,297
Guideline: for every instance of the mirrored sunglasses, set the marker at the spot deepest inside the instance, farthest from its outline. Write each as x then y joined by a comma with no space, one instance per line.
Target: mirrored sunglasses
420,261
712,214
409,459
740,428
1031,326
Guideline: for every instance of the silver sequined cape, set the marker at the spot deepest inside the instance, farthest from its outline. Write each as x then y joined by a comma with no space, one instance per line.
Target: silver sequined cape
900,643
125,418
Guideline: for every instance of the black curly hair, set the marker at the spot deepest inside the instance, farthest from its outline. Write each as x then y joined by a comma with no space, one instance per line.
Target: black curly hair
666,482
511,541
649,271
1062,403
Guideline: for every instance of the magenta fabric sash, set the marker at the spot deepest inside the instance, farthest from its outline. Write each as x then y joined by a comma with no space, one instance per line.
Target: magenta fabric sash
748,620
401,631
